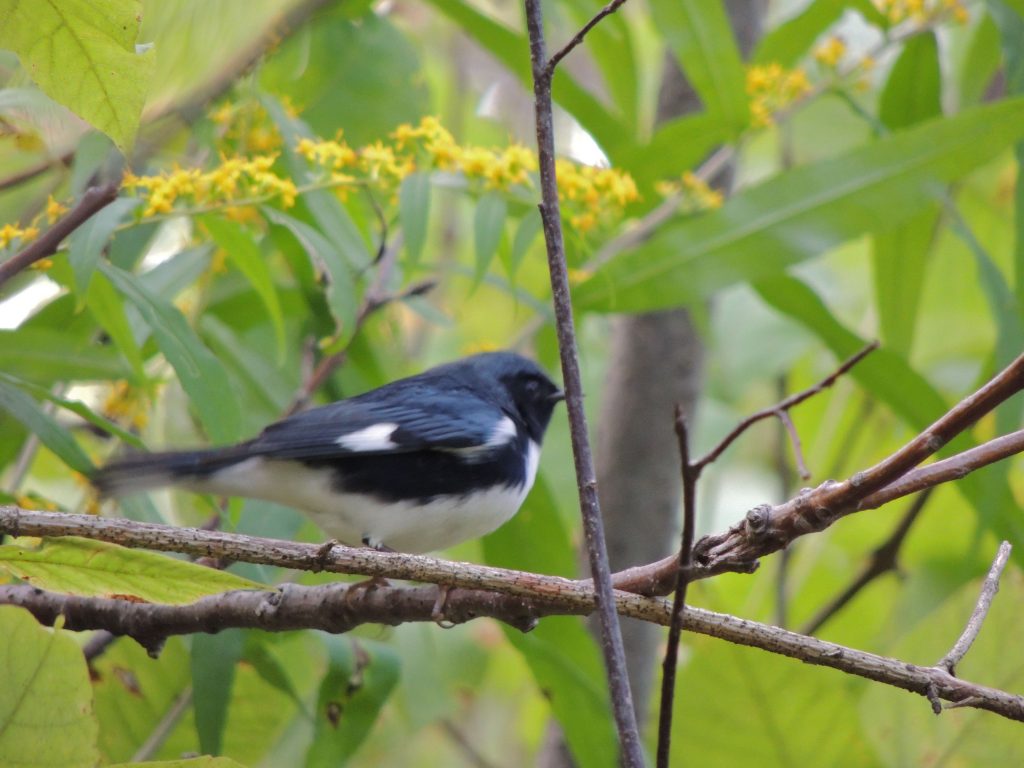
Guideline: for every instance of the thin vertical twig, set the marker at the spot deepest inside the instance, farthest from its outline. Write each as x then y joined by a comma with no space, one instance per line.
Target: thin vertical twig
611,636
988,592
668,668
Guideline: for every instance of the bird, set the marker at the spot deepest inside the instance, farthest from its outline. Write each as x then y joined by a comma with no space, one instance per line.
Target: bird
414,466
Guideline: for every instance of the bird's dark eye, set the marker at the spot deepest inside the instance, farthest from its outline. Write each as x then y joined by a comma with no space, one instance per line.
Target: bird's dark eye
532,387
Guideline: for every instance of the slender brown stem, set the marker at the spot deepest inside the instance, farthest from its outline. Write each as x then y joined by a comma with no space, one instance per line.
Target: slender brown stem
781,407
93,200
565,50
668,666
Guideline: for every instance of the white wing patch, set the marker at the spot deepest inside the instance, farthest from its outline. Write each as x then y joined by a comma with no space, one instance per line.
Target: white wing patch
376,437
504,433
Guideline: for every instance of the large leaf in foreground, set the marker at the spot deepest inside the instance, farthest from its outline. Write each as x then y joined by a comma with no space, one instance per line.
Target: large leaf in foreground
96,568
45,698
83,56
803,213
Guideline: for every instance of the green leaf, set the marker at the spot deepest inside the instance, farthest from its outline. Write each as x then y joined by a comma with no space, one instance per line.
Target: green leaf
981,61
268,383
201,374
82,54
414,213
332,270
98,569
563,657
1011,33
241,248
46,716
527,231
911,95
88,241
331,217
899,258
802,213
214,661
510,48
611,46
913,92
359,680
75,406
815,723
677,145
1004,309
340,63
488,227
105,305
699,34
47,356
791,40
42,425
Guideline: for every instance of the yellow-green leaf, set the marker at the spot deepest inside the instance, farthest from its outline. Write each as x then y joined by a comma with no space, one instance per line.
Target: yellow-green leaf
98,569
82,54
46,716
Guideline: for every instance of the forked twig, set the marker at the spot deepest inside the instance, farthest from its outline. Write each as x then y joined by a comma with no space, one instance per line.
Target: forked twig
783,407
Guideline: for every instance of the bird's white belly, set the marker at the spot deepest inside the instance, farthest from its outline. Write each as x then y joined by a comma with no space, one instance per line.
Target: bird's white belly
351,518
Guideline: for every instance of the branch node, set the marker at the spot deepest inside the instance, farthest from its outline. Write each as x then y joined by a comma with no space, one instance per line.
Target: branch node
758,521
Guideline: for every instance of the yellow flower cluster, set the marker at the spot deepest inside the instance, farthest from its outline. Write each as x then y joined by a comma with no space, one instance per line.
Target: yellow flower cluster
233,179
126,404
921,11
695,194
10,233
830,52
771,88
590,194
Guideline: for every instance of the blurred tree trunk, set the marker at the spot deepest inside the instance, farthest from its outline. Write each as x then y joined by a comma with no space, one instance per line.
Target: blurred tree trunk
655,361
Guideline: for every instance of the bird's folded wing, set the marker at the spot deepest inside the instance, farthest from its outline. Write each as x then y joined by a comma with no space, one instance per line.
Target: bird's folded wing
394,425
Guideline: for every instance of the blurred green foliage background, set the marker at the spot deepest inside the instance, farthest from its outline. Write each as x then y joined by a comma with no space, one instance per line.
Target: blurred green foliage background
876,150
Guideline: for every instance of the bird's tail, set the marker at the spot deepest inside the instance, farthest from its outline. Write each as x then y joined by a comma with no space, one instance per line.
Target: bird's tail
145,471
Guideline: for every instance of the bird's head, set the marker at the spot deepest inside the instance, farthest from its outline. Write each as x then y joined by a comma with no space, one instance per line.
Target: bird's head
531,394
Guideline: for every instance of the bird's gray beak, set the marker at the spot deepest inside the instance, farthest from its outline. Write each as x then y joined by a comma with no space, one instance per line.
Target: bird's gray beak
556,397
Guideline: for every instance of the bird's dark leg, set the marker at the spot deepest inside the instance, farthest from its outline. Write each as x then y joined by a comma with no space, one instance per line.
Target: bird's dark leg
322,553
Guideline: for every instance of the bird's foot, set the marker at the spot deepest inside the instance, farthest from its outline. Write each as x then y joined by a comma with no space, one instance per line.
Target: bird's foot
319,559
437,612
366,585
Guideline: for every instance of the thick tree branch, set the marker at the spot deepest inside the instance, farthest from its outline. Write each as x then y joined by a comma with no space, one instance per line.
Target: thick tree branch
338,607
590,509
93,200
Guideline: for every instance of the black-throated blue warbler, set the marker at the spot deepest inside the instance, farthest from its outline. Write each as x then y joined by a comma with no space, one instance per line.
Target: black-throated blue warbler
419,464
